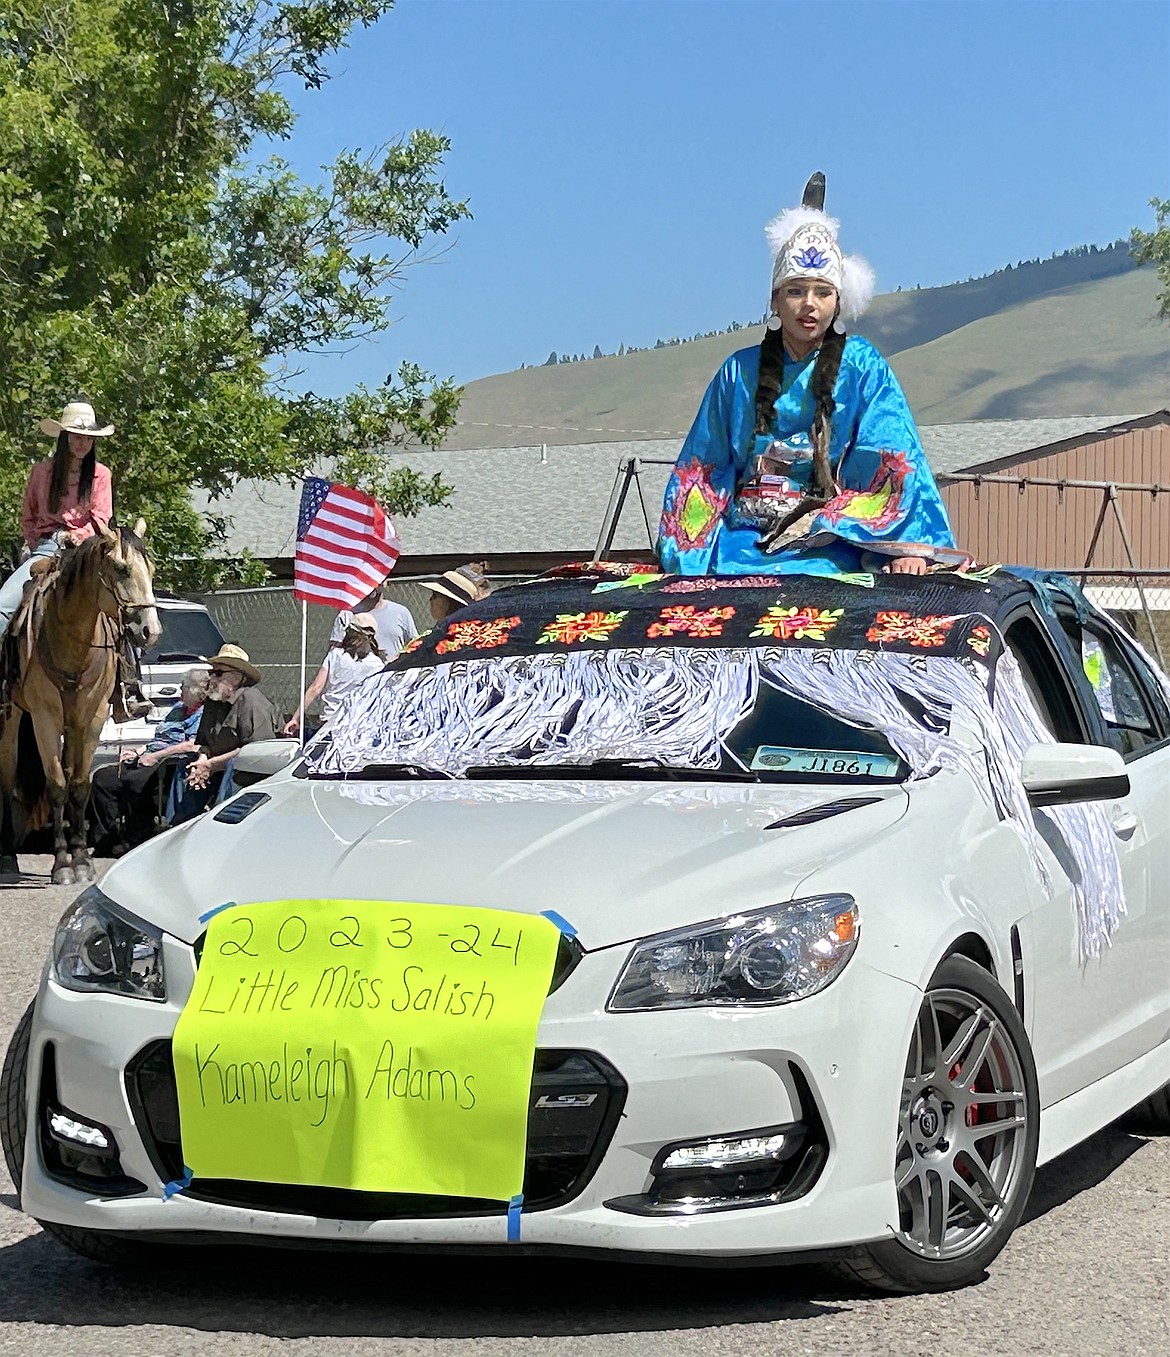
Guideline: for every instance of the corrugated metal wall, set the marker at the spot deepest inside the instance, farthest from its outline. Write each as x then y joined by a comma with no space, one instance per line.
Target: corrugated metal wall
1046,526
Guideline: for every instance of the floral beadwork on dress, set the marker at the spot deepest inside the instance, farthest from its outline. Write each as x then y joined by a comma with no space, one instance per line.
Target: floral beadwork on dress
684,620
799,624
917,631
696,509
571,628
879,504
477,635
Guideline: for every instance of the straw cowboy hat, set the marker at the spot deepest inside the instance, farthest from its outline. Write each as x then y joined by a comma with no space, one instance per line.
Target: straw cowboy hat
77,417
233,657
364,622
460,585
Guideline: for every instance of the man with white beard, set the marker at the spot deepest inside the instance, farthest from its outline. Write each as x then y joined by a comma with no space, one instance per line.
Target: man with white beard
235,712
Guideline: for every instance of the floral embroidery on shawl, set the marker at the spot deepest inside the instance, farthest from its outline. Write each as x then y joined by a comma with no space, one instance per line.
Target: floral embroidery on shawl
571,628
684,620
477,635
918,631
798,623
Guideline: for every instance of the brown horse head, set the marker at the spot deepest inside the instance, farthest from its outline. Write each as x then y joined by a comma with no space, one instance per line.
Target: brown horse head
124,575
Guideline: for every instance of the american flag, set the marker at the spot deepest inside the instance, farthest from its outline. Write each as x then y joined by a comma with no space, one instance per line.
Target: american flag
346,545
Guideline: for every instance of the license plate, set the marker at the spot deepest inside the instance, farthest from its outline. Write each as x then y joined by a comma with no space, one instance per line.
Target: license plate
827,762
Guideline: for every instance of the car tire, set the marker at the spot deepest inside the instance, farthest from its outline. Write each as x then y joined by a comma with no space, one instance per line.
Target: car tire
1153,1115
961,1188
13,1100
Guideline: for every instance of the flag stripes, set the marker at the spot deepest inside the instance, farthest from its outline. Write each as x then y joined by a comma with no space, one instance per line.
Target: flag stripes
346,546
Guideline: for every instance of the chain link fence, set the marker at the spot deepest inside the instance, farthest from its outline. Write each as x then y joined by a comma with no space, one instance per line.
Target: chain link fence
1138,600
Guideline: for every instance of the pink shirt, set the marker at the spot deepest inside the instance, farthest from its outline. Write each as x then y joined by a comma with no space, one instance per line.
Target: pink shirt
36,521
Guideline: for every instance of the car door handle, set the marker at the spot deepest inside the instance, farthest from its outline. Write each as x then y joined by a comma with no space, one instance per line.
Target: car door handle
1124,823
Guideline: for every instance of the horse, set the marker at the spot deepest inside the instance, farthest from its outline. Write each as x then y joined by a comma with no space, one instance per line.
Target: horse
68,636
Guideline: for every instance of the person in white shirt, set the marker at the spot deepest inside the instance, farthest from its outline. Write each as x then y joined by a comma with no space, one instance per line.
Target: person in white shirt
343,668
395,626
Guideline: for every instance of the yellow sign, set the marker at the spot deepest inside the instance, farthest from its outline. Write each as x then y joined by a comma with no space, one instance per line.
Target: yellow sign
365,1044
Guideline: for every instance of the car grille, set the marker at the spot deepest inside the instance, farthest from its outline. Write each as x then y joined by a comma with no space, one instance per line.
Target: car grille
574,1104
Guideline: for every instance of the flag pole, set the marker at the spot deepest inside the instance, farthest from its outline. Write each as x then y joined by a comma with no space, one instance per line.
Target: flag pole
304,661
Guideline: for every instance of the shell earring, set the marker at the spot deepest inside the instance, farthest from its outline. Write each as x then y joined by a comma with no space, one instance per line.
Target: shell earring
773,323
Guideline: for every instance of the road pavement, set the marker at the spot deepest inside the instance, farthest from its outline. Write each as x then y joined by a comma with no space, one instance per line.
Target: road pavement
1088,1273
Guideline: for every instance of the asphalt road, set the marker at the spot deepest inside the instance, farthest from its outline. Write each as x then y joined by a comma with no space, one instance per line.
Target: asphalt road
1087,1273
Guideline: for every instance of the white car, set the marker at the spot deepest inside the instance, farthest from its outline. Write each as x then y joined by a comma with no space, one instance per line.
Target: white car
861,895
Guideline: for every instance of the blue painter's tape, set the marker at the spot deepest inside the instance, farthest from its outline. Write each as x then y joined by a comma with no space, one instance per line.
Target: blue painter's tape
562,923
219,909
515,1206
170,1189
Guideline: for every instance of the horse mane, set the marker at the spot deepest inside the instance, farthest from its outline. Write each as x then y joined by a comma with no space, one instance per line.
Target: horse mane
82,560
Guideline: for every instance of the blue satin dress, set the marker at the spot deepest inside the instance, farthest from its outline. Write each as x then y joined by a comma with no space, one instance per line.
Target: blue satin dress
887,491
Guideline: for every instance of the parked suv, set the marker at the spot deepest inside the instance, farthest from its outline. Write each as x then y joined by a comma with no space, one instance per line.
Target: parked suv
188,635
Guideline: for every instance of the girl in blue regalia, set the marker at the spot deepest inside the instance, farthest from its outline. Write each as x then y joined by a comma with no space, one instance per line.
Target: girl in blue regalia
803,457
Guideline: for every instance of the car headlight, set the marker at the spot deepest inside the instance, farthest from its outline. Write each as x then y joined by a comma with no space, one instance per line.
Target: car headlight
100,947
767,956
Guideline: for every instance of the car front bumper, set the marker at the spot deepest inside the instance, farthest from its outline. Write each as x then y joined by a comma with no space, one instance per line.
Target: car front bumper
687,1074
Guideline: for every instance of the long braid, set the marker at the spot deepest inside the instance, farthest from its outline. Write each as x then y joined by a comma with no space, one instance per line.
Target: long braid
822,384
770,380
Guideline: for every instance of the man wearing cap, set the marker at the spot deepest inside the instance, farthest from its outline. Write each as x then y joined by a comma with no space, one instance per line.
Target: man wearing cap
344,667
235,712
395,626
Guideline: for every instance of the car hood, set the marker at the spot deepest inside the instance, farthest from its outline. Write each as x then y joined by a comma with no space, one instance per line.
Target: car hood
617,860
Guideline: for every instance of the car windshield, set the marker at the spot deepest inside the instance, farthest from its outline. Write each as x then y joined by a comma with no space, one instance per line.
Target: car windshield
187,634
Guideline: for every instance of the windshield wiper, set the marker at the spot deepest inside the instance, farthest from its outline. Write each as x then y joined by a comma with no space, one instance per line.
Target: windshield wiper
379,772
648,769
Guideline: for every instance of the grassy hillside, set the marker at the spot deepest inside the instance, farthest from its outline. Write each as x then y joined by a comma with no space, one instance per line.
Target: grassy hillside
1043,339
1096,348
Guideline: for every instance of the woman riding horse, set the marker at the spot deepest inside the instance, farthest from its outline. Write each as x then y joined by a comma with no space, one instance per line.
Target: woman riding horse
68,498
65,665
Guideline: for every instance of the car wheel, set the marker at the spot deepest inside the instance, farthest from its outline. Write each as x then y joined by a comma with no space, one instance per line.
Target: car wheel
968,1132
13,1113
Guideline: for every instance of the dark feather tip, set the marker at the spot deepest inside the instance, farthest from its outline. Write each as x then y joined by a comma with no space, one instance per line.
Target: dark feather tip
814,192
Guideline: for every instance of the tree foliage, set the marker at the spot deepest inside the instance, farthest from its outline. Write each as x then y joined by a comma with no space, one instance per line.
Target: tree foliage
153,261
1153,247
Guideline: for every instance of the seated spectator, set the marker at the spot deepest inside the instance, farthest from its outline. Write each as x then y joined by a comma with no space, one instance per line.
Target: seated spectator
394,623
124,796
342,670
235,712
456,589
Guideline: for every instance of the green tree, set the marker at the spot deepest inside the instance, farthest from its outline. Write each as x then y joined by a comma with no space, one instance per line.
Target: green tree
1153,247
152,259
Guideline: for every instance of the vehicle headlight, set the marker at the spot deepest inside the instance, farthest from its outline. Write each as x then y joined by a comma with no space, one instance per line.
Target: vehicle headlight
100,947
767,956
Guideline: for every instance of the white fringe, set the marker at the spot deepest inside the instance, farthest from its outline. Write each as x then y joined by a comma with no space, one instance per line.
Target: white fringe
672,705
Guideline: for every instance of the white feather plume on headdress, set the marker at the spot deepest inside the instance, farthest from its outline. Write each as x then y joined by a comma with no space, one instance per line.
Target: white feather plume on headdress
857,286
782,228
857,277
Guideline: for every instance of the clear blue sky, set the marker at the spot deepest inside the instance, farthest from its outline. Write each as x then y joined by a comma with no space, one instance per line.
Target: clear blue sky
622,156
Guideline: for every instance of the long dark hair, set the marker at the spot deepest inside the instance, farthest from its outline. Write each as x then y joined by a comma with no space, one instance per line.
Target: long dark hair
822,383
59,476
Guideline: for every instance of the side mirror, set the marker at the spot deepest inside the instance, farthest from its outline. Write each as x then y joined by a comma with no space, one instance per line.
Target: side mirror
1057,774
263,758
